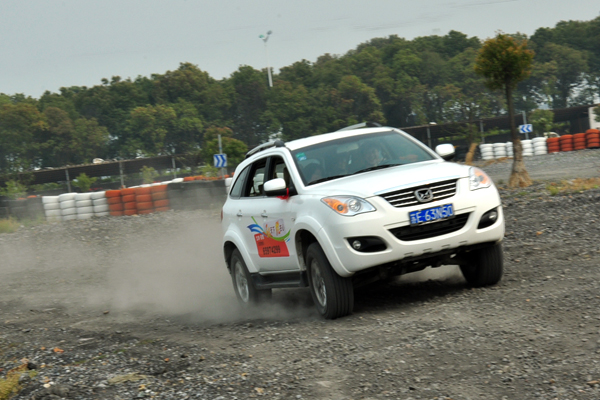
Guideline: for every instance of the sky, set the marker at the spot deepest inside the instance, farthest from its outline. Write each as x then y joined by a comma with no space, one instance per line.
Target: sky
49,44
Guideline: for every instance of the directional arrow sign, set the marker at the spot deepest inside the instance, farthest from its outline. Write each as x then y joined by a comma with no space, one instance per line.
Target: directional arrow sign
527,128
220,160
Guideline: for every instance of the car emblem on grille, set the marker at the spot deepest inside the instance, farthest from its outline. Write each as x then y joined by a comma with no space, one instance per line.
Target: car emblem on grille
424,195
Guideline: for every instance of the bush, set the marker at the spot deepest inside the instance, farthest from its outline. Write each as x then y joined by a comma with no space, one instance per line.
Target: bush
14,190
148,174
84,182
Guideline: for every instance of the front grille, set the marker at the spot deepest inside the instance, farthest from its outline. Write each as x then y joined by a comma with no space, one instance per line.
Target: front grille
406,197
426,231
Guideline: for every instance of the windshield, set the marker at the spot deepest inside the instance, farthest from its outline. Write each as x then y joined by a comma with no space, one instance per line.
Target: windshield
356,154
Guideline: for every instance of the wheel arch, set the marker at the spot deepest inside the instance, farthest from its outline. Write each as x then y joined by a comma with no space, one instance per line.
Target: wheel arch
304,238
228,248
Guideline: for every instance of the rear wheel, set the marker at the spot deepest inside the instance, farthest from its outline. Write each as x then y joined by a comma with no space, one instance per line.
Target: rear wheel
245,291
332,294
485,266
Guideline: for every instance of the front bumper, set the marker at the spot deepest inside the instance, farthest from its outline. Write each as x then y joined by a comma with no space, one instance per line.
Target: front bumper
385,224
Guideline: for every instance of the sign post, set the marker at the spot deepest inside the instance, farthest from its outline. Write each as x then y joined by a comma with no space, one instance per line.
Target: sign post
220,160
526,129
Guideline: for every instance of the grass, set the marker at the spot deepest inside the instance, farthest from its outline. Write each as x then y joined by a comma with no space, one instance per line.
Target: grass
9,386
9,225
29,222
573,186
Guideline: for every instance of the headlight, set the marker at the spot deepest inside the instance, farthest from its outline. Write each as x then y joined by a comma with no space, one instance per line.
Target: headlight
348,205
478,179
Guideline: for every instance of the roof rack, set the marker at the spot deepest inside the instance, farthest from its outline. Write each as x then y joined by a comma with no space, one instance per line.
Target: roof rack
361,125
264,146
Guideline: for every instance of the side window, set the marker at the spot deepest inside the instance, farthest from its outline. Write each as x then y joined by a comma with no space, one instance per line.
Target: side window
236,189
254,188
280,170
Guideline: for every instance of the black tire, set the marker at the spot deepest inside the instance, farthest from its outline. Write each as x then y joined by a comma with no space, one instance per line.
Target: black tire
485,266
245,291
333,295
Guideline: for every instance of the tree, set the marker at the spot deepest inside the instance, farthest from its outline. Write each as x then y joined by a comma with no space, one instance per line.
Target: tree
235,149
568,66
247,113
505,61
148,129
20,124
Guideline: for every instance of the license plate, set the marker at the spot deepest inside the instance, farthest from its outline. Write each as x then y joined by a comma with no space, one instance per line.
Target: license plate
431,214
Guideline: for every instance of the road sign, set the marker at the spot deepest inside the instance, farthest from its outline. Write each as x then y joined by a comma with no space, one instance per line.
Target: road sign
220,160
527,128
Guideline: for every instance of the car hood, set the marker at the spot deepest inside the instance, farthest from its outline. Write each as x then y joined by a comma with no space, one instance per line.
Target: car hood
371,183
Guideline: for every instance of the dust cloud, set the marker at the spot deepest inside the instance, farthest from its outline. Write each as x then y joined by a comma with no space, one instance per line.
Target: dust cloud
148,269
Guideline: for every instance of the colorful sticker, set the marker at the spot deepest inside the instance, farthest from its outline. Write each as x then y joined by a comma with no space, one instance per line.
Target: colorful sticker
301,156
271,241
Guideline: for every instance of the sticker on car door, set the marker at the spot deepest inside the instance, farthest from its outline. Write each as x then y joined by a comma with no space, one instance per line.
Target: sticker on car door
271,240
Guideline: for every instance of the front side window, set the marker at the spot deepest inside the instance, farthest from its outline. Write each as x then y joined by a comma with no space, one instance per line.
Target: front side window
280,170
357,154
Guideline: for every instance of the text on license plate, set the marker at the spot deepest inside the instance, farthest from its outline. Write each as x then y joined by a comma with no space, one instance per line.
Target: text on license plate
431,214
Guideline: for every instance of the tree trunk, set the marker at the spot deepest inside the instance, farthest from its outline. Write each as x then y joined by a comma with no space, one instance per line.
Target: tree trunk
519,177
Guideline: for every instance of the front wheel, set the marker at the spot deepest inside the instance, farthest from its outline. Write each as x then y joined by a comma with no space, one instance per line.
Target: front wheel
485,266
332,294
245,291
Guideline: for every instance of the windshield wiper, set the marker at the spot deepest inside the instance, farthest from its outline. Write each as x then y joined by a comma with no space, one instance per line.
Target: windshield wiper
375,167
328,178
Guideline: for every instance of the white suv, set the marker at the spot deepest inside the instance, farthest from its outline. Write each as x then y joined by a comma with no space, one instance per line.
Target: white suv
339,210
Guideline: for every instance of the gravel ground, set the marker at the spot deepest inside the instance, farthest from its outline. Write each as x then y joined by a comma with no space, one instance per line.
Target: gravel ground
142,307
562,165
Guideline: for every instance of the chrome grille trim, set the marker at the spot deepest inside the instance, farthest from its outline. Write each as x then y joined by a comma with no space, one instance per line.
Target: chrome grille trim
406,197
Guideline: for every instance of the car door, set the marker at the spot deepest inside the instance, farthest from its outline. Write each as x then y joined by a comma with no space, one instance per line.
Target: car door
268,221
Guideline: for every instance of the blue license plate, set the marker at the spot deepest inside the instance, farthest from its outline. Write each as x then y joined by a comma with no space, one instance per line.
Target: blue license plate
431,214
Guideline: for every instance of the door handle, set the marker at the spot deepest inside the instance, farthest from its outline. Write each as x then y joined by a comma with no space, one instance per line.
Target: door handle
264,215
239,214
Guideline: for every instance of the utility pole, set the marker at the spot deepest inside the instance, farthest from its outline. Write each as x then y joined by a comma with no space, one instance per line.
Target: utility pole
265,39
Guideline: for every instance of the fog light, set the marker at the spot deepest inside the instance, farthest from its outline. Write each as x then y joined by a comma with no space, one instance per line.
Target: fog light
488,219
366,244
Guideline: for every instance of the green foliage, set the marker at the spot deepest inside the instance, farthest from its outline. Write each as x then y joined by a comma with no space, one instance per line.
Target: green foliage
542,121
9,385
235,149
209,171
389,80
553,190
83,182
148,174
14,189
46,186
597,113
504,61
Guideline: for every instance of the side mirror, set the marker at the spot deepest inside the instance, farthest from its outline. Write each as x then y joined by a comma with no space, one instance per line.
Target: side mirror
228,182
446,151
275,187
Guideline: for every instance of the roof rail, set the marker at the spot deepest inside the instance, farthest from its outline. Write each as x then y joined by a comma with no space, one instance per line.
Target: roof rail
361,125
267,145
